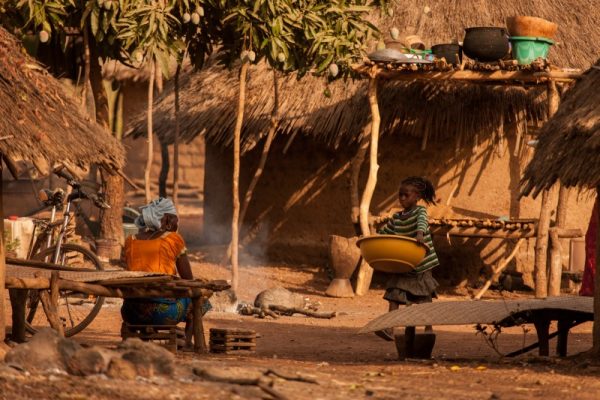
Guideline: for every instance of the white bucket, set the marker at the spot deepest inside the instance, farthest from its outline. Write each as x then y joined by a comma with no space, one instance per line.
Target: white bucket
19,232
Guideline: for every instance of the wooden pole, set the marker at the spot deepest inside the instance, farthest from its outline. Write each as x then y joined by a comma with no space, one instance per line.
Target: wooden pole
265,152
356,164
198,326
556,249
596,328
235,234
150,144
176,140
2,263
541,245
555,253
365,272
499,270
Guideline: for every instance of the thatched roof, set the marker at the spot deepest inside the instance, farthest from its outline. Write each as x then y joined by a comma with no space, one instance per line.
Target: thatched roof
569,145
441,110
40,122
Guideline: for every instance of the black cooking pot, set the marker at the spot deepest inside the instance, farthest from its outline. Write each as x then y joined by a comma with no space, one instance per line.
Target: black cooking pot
486,43
451,52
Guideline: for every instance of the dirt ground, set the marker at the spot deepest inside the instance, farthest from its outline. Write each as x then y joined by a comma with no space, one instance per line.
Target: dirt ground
345,364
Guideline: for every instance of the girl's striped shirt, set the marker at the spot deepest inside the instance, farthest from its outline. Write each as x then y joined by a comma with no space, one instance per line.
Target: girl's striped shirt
409,225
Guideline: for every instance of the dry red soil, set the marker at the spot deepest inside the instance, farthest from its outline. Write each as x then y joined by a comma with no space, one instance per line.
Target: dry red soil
345,364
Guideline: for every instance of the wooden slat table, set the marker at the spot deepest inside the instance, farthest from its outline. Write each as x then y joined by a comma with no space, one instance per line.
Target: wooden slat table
116,283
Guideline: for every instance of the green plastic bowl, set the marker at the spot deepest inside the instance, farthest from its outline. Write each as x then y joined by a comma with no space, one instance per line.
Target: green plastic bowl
527,49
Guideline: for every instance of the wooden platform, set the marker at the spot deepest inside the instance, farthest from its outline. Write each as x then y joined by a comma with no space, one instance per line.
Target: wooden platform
569,311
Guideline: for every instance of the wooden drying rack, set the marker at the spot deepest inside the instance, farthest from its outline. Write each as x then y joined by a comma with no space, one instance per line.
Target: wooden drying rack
131,287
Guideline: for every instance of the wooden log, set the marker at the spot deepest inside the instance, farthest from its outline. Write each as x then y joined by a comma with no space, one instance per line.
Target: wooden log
198,326
499,270
365,272
44,265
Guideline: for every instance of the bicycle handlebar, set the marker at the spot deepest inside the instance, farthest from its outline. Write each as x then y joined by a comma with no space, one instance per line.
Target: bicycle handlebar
80,193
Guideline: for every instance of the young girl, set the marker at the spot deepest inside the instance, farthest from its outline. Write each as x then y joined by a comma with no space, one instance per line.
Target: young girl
417,286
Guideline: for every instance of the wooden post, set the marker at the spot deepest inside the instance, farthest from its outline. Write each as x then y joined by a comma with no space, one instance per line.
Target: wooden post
235,234
561,214
150,143
356,164
2,263
499,270
176,140
596,329
54,296
556,249
365,272
541,244
198,326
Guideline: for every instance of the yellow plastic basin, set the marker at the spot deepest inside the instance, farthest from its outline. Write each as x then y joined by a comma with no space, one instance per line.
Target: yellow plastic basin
391,253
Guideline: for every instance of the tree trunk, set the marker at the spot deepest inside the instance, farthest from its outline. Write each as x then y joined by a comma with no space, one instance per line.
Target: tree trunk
164,169
150,146
356,164
111,220
86,66
111,226
2,263
596,328
100,97
176,141
237,133
365,272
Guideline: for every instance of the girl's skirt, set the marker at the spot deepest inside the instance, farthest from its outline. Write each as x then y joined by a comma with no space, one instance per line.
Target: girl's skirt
411,288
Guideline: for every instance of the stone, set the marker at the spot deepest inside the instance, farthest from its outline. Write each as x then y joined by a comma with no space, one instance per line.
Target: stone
39,354
147,357
90,361
121,369
4,348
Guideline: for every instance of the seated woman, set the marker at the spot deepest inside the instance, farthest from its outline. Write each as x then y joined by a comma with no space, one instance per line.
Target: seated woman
157,248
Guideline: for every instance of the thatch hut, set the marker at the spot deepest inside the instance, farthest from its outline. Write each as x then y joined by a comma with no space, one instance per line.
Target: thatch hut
470,139
43,125
568,150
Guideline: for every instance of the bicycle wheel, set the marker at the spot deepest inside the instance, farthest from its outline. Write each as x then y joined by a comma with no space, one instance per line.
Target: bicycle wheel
76,310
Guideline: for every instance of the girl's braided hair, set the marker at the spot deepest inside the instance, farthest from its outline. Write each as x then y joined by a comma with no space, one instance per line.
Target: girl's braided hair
423,186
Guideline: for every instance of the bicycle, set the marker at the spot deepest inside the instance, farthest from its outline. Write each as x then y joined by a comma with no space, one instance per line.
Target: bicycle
50,246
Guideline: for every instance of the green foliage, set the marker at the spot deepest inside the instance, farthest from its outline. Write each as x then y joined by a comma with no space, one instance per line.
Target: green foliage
307,36
297,35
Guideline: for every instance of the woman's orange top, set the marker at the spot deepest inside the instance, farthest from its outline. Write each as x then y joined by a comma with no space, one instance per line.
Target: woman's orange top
154,255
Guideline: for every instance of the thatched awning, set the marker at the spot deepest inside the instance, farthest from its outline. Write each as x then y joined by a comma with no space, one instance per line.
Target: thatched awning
569,144
40,122
461,111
